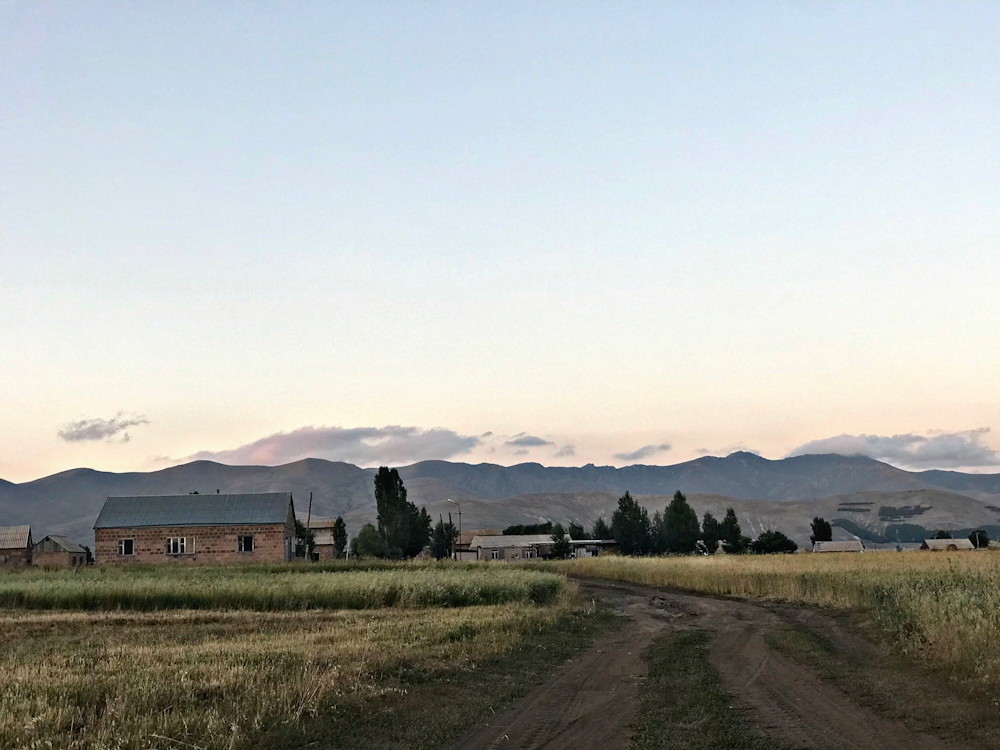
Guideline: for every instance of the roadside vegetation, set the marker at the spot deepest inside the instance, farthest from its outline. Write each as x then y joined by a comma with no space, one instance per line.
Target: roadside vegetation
943,607
277,588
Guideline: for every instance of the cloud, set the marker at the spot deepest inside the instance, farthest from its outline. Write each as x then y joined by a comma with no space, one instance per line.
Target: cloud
566,450
100,429
644,452
942,450
734,448
364,446
527,441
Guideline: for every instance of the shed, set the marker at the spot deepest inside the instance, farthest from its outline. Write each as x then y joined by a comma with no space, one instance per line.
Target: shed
250,527
947,545
511,546
853,545
56,550
15,546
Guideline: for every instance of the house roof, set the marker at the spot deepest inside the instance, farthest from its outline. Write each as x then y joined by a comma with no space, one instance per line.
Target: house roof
63,542
14,537
853,545
194,510
945,544
466,537
510,540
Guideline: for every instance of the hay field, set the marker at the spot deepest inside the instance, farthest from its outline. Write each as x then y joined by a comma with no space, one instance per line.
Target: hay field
943,607
276,588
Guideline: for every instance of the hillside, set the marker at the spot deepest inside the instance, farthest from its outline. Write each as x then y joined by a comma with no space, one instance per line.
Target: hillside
492,495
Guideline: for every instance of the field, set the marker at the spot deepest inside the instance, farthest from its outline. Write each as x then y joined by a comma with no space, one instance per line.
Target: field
243,671
942,607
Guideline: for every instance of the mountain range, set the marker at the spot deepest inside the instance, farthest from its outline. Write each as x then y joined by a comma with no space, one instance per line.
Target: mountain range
783,493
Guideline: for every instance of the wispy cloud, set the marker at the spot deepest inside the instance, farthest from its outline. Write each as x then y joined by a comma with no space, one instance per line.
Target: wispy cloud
365,446
644,452
937,450
734,448
100,429
524,440
566,450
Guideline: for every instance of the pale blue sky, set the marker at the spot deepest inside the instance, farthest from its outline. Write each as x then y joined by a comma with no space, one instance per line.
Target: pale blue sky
610,226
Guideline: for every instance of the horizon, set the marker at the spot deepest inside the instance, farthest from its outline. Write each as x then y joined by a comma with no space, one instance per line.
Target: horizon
610,234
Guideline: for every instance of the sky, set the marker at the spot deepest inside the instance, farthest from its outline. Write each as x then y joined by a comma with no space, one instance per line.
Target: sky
568,233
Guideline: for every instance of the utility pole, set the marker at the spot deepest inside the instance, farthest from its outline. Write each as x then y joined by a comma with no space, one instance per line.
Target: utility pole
309,517
459,526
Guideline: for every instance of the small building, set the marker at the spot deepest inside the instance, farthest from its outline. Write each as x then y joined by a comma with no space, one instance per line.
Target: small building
463,544
57,551
15,546
512,546
947,545
853,545
323,546
245,528
592,547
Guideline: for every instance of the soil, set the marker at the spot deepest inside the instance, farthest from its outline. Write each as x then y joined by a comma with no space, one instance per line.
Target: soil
592,701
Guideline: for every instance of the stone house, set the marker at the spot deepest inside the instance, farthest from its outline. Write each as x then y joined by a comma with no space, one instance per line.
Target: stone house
15,546
244,528
511,546
57,551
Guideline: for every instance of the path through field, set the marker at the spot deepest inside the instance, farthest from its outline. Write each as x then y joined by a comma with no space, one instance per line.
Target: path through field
590,702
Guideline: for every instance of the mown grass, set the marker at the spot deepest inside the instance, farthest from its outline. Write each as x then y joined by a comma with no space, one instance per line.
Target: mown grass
277,588
943,607
388,677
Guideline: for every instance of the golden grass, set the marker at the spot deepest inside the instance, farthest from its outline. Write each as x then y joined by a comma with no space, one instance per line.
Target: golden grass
945,607
232,679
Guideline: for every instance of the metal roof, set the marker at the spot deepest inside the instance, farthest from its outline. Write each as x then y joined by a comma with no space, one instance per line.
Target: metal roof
14,537
848,546
945,544
194,510
511,540
64,542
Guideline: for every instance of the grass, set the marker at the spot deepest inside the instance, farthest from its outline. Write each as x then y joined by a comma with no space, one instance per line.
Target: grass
942,607
684,706
276,588
377,678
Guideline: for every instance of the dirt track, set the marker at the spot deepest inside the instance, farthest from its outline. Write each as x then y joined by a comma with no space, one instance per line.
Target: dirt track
592,701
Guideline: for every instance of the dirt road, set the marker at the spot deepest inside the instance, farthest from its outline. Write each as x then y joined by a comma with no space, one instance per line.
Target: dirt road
592,701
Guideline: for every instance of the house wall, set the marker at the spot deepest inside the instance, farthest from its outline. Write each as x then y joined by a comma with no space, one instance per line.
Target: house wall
205,544
325,551
16,558
62,559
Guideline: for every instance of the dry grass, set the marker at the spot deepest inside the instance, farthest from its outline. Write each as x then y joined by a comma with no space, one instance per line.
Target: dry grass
241,679
945,607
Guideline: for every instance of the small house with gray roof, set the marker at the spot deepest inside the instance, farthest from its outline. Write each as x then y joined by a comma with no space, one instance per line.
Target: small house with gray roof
15,546
57,551
243,528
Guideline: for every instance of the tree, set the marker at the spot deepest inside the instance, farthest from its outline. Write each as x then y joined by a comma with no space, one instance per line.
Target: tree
630,526
710,532
339,536
821,531
531,528
601,530
418,530
90,555
942,535
403,526
368,543
443,538
304,540
561,548
773,542
576,531
731,536
978,538
680,526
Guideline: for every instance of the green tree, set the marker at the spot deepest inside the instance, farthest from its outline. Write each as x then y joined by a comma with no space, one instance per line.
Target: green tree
821,531
561,548
443,537
942,535
710,532
521,529
601,530
405,528
978,538
369,543
771,543
731,535
339,536
304,540
576,531
630,526
680,526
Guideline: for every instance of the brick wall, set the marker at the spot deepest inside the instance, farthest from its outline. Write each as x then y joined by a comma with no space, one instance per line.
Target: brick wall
62,559
16,558
205,544
325,551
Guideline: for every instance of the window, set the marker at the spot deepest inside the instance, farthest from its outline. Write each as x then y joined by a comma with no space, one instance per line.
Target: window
529,553
126,546
495,554
244,543
177,545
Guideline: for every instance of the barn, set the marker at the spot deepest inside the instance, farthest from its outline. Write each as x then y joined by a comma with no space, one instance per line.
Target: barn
15,546
852,545
57,551
947,545
242,528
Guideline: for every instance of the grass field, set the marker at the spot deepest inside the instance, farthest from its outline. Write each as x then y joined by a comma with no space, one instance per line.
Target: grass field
943,607
276,588
407,674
